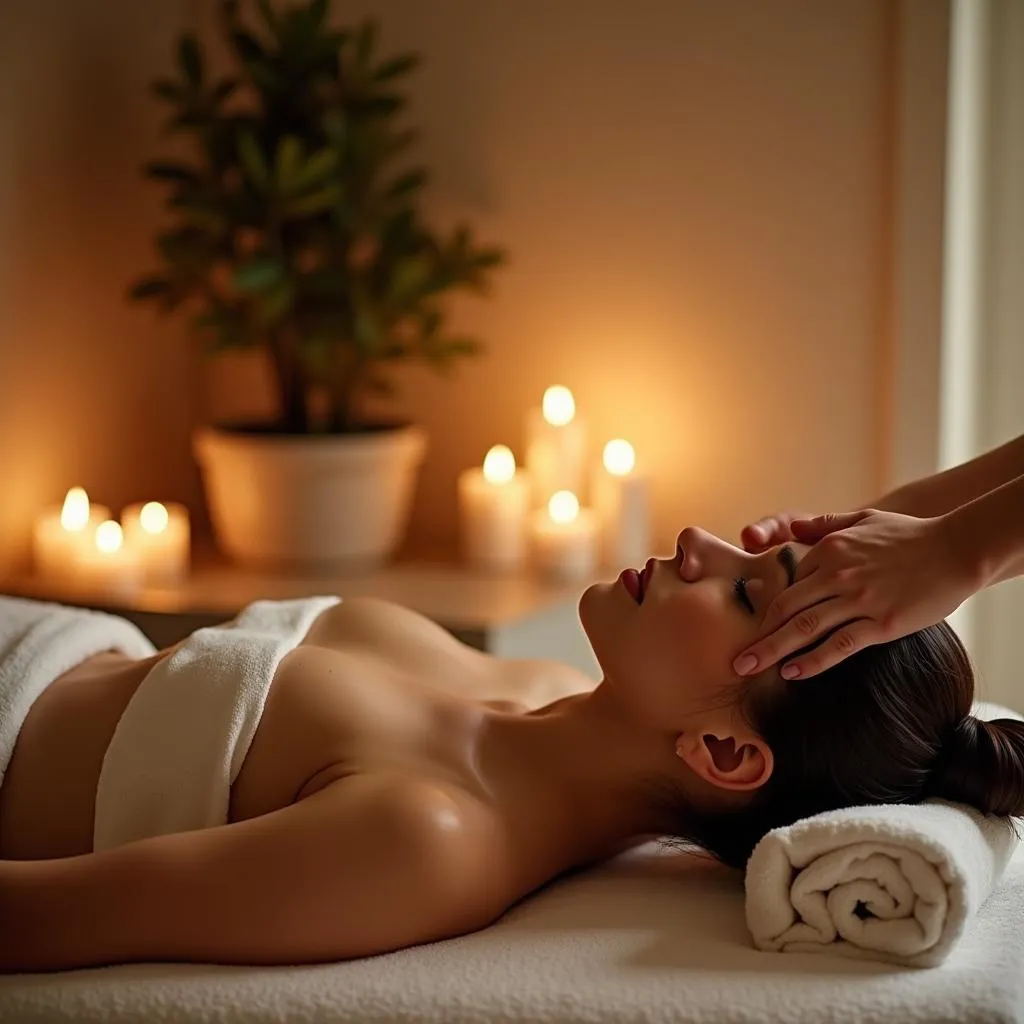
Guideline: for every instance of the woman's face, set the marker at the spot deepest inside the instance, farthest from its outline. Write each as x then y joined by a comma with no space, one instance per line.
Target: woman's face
666,641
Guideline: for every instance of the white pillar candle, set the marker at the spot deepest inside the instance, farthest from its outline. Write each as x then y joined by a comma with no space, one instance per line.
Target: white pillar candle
565,539
493,502
556,446
60,534
158,534
108,565
622,500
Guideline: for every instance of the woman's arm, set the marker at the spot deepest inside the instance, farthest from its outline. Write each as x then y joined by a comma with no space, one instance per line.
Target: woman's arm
365,866
942,492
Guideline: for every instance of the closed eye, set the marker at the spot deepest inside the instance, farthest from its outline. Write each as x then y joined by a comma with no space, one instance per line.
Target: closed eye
739,587
787,560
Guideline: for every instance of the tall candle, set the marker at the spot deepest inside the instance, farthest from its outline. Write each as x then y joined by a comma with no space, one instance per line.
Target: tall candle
565,538
493,502
60,534
556,446
108,564
159,536
622,500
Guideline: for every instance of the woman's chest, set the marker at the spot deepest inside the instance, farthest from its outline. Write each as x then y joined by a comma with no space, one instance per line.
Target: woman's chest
332,713
375,688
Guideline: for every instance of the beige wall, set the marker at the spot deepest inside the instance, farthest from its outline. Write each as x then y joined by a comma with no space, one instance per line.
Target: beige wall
918,229
697,198
91,391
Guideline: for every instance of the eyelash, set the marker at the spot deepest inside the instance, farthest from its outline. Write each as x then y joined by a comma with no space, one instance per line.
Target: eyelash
739,587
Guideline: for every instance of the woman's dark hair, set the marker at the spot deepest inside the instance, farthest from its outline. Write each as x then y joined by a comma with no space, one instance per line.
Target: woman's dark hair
890,724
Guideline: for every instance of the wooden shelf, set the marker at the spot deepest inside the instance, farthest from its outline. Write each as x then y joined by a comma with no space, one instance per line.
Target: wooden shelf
457,596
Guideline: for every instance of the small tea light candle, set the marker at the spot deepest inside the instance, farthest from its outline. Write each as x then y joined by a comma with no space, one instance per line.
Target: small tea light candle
622,500
159,535
109,564
556,446
493,502
565,538
59,535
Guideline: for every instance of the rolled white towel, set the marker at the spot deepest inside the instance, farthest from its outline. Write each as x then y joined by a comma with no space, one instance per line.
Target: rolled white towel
885,882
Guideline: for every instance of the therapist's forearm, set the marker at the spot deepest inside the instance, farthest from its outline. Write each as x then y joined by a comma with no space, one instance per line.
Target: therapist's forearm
989,534
939,494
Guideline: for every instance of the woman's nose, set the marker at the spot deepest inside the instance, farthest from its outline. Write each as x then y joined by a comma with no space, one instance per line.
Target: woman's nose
694,542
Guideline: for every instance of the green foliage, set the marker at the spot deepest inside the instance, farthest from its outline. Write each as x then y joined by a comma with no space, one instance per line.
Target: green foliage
295,224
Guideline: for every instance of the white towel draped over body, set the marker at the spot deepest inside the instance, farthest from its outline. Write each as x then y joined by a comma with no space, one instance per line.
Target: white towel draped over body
183,737
39,642
886,882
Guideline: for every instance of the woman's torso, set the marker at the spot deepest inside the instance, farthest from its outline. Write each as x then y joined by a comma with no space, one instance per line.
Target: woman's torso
371,688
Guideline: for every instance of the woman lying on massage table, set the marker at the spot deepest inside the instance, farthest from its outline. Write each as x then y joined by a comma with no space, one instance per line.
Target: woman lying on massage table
402,788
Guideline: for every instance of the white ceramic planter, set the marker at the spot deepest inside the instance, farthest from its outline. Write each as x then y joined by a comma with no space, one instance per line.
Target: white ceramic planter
309,501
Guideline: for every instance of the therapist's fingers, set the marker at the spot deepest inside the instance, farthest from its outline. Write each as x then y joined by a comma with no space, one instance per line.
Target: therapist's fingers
810,531
812,587
767,532
849,639
804,628
755,537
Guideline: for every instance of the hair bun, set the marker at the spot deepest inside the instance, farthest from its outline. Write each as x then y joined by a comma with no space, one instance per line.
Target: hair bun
982,764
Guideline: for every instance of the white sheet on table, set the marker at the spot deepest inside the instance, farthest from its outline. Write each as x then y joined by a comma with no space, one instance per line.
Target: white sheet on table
651,937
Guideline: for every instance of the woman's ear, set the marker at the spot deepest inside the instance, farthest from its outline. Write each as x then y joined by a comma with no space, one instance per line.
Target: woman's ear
725,759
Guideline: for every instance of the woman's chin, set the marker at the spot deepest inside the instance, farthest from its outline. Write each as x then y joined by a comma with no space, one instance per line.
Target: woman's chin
604,610
597,603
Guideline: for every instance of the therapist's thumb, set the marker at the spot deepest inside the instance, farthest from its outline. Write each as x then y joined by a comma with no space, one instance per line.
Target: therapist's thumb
810,531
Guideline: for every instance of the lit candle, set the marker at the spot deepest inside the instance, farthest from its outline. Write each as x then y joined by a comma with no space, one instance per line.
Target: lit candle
108,564
622,501
493,502
159,536
59,534
556,446
565,538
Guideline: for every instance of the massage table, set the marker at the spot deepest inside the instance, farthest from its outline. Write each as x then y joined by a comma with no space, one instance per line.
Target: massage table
653,936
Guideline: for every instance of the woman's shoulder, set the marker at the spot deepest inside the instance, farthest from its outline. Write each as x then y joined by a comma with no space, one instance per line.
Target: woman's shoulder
370,621
457,839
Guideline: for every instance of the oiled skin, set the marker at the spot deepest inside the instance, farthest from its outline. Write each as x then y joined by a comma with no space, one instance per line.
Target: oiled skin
368,731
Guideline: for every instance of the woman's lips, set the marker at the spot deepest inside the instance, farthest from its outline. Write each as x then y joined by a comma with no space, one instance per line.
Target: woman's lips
645,577
630,579
636,583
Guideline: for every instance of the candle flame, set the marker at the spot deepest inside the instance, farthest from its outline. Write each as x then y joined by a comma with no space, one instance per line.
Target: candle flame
153,517
559,406
75,513
499,465
563,507
619,457
109,537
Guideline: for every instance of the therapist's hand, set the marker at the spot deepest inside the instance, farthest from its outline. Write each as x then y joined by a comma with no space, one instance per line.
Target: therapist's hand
871,577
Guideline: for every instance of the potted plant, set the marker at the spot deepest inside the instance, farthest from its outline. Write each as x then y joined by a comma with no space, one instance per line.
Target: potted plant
295,229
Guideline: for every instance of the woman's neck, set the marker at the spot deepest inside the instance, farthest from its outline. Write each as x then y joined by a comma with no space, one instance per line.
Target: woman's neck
568,778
